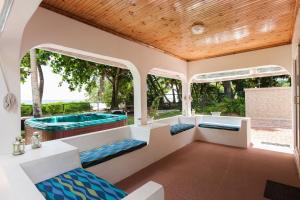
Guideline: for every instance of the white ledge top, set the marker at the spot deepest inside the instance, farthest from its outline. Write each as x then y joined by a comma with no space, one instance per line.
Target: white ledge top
14,182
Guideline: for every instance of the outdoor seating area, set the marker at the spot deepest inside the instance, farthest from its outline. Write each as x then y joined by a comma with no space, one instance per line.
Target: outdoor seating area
149,100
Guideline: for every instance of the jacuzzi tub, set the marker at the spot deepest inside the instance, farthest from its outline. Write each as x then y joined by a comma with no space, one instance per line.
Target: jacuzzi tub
56,127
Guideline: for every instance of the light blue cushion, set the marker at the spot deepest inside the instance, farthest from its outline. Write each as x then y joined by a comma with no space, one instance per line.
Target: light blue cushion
79,184
98,155
178,128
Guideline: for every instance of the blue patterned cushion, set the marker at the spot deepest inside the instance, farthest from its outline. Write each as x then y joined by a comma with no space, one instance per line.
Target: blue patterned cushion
178,128
79,184
98,155
220,126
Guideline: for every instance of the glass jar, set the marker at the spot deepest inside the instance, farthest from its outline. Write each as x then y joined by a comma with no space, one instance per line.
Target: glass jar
36,140
19,146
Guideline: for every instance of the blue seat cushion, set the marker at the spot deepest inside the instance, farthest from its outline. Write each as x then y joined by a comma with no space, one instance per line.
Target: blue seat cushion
79,184
220,126
178,128
98,155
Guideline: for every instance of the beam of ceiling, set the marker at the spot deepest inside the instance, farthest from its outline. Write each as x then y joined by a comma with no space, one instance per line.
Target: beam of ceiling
230,26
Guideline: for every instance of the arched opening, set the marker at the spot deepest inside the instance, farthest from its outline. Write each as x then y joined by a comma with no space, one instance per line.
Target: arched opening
103,84
250,93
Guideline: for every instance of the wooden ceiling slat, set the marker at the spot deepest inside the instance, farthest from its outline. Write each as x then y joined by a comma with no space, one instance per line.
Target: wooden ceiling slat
166,24
213,28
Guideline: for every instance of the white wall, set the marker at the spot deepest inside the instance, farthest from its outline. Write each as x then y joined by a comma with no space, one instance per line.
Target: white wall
46,27
261,104
296,36
295,54
10,43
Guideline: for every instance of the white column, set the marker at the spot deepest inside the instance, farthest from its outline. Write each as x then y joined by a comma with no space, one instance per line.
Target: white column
189,102
140,95
10,44
9,121
186,98
144,109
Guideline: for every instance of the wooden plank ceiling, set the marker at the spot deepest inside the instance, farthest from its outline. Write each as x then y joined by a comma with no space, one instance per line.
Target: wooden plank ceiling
231,26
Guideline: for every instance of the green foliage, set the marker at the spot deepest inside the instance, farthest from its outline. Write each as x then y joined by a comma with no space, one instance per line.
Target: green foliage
25,68
160,86
58,108
213,97
130,119
77,107
85,75
125,93
26,110
107,96
227,107
43,58
53,108
81,74
153,111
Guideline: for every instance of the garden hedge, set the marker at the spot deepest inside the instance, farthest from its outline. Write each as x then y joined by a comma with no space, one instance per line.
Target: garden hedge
57,108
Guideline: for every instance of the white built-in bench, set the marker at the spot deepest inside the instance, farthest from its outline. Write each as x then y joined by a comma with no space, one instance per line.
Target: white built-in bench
107,152
179,124
226,130
111,152
34,173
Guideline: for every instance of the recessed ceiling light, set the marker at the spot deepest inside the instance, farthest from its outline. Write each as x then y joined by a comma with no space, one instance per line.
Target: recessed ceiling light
197,29
5,6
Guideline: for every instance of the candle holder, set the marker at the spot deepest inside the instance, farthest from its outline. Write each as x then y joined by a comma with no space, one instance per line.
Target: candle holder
19,146
193,112
36,140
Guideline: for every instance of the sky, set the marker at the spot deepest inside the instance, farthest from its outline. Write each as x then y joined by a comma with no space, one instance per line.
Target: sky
52,92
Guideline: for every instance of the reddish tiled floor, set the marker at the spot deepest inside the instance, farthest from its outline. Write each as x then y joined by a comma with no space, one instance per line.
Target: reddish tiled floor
214,172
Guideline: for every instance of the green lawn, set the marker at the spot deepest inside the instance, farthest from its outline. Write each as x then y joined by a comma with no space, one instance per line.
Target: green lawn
161,115
130,119
167,114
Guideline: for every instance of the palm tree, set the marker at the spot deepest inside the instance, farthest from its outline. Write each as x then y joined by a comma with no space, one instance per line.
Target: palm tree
35,85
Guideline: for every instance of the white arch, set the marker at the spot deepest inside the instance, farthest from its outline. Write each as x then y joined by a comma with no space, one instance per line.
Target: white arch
48,27
252,74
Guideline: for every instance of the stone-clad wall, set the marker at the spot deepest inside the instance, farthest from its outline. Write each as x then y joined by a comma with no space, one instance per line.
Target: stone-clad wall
269,103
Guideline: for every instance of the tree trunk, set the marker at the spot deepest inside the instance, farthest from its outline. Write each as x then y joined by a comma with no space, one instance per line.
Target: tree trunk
101,87
173,93
41,82
178,91
161,90
115,90
227,89
36,99
151,84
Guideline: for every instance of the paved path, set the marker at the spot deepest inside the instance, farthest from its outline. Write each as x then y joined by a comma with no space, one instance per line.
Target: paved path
272,134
